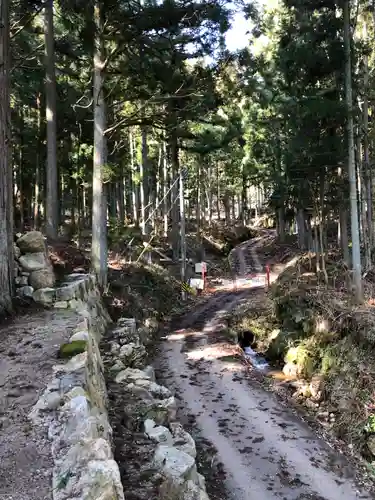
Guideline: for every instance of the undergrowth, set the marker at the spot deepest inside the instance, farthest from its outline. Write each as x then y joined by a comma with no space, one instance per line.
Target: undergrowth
316,328
142,291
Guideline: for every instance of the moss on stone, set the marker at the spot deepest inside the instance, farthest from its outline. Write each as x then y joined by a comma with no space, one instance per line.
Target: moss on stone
72,348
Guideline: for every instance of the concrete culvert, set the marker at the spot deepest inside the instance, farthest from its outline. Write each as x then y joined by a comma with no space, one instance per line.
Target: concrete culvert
246,339
247,342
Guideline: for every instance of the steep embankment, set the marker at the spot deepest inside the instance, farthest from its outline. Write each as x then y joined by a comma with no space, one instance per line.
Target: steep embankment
323,345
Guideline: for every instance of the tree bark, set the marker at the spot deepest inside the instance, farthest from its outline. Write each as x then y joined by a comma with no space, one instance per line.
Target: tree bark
37,168
281,223
135,191
99,203
366,156
165,190
356,255
6,190
174,198
52,206
144,184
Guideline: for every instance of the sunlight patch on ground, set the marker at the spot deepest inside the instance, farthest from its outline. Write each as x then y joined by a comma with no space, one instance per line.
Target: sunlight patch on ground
230,366
183,334
212,352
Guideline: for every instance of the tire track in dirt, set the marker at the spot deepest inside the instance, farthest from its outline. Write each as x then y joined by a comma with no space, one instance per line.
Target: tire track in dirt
265,451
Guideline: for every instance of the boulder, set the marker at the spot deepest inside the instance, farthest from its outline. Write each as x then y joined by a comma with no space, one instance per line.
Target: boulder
117,367
32,242
25,291
21,281
290,370
99,479
33,261
182,440
62,304
192,491
133,355
42,278
131,375
80,335
67,291
317,387
157,391
150,372
173,463
125,335
17,252
82,452
128,323
146,407
158,433
44,295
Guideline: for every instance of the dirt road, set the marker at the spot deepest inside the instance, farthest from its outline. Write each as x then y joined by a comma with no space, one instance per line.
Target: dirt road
263,449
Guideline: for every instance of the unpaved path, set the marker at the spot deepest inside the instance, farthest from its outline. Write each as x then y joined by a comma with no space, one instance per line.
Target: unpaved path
264,450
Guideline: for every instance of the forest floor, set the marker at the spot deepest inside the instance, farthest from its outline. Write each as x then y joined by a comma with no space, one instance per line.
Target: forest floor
250,442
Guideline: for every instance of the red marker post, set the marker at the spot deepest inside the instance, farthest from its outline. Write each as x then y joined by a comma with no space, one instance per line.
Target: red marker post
268,275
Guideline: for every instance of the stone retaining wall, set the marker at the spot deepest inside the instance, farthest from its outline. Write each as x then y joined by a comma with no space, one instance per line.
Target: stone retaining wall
32,268
74,404
151,408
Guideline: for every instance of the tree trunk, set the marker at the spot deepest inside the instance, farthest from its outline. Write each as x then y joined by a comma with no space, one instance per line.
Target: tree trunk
37,167
133,169
165,190
366,159
344,241
198,198
52,207
99,203
301,229
281,224
157,211
227,207
244,207
356,255
6,190
21,195
144,184
175,194
218,194
210,196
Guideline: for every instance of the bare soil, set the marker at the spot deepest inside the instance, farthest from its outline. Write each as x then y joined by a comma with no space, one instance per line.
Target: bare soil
28,349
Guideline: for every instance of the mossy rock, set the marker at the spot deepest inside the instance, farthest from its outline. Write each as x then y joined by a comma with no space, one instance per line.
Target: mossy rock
279,343
301,357
72,348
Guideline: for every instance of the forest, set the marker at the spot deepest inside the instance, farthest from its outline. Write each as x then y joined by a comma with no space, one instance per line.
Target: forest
109,109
